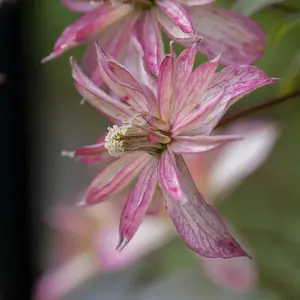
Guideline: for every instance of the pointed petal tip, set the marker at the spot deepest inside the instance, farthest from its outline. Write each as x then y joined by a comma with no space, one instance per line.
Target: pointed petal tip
69,154
122,244
82,203
51,56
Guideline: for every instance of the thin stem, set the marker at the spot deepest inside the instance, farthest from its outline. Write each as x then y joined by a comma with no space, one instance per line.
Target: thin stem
258,107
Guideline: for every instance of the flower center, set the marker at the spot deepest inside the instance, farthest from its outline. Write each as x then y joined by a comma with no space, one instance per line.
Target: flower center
130,138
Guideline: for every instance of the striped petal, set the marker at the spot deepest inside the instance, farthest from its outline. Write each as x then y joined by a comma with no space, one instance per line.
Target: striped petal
98,99
200,143
115,177
87,27
197,222
239,39
195,2
177,14
138,202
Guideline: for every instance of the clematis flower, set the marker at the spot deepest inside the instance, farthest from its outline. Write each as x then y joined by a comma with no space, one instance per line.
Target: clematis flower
154,127
236,37
86,237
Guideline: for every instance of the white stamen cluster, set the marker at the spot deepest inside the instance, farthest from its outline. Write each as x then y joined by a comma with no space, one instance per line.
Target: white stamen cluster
113,140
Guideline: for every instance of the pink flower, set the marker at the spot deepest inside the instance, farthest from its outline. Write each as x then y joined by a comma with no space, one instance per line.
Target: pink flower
237,38
156,125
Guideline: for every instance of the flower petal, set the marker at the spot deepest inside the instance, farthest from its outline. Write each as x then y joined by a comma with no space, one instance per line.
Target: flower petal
150,38
195,2
88,27
195,88
173,30
236,161
81,5
122,82
200,143
138,202
168,176
177,14
197,222
165,87
115,177
239,39
98,99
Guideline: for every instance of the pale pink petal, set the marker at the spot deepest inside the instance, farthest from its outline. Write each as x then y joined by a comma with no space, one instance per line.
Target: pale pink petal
198,223
165,87
172,30
113,46
239,39
238,274
236,161
82,5
195,2
195,88
150,38
115,177
114,109
177,14
122,82
198,120
87,27
138,202
200,143
153,233
183,69
169,177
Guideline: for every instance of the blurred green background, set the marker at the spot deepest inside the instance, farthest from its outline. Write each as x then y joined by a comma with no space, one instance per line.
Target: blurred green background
264,210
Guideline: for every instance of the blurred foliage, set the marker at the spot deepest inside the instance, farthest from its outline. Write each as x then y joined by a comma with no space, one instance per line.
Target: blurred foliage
265,210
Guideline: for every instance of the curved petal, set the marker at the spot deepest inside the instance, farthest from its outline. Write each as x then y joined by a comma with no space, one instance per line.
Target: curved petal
88,27
122,82
197,222
150,37
195,88
238,274
239,39
169,177
115,177
98,99
200,143
177,14
81,5
165,87
236,161
138,202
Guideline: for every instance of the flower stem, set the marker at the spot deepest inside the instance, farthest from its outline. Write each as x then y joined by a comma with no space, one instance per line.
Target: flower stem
258,107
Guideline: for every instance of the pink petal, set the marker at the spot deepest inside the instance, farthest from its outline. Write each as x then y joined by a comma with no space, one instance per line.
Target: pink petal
138,202
234,162
195,2
200,118
177,14
150,38
88,27
195,88
165,87
82,5
168,176
122,82
173,30
238,274
197,222
239,39
200,143
113,46
115,177
183,69
97,98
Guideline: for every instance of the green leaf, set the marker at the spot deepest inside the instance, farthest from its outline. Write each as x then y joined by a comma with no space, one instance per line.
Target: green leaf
249,7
